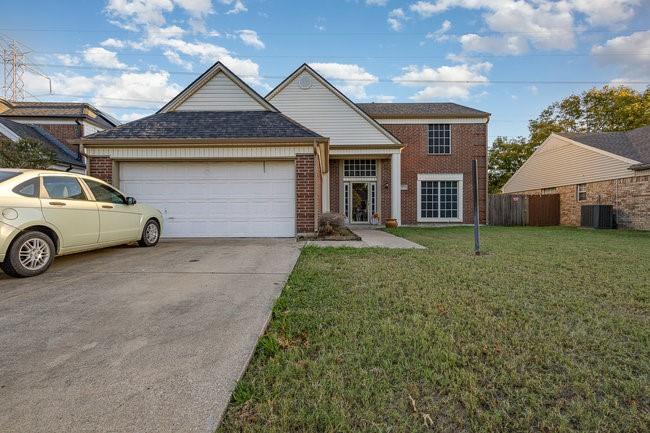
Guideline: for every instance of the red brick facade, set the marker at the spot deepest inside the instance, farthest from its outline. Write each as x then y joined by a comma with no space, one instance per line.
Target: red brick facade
385,190
306,171
468,142
629,196
64,132
335,186
101,167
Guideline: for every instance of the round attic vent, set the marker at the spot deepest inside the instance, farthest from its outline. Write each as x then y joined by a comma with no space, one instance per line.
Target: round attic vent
304,82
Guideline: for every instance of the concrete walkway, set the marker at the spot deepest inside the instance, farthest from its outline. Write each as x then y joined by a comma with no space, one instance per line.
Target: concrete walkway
371,238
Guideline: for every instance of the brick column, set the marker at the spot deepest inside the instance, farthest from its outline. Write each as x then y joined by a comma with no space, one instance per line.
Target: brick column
305,193
101,167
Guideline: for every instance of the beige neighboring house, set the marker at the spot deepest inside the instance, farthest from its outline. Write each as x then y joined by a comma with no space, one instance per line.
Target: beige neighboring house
611,168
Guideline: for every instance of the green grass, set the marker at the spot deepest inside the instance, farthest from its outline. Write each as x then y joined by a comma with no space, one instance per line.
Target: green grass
548,331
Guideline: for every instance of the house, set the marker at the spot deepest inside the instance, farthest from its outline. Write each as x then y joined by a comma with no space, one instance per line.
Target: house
611,168
64,120
221,160
65,158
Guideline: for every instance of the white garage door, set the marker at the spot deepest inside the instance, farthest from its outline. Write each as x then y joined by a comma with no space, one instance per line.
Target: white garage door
220,199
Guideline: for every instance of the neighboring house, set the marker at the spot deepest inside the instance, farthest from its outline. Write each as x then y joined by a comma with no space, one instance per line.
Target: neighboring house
65,158
64,120
221,160
611,168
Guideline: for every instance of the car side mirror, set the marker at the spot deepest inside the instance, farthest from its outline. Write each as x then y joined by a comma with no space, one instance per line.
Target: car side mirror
130,201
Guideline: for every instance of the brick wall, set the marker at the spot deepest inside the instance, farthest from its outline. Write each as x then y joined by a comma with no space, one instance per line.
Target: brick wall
101,167
468,142
385,190
335,188
305,193
318,190
629,196
64,133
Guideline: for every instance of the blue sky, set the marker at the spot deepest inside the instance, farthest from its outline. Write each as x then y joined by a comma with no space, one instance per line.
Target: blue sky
509,57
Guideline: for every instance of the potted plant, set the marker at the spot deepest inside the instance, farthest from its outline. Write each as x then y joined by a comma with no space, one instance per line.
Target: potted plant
391,223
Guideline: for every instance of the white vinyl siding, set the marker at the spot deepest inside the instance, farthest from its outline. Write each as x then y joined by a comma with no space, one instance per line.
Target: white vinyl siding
322,111
199,152
559,162
216,199
220,94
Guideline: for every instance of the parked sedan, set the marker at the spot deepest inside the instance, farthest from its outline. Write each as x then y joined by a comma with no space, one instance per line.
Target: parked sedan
49,213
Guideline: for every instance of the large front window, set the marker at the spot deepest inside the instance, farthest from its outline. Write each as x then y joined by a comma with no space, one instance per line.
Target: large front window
440,197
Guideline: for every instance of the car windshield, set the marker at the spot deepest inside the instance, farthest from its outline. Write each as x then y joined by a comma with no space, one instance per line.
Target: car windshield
6,175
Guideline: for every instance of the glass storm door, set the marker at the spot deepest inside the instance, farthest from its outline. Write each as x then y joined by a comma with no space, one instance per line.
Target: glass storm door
359,205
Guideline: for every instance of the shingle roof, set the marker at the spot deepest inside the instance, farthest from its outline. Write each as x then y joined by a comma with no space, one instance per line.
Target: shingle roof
634,144
58,109
208,125
63,154
425,109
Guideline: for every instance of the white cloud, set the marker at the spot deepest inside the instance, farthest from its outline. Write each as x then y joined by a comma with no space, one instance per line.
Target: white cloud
444,82
148,12
513,45
176,59
112,43
355,79
98,56
383,98
439,35
238,6
67,59
545,24
534,90
630,53
396,19
250,38
197,8
130,117
376,2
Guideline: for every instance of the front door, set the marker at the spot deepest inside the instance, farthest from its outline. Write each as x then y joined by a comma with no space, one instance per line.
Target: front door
360,202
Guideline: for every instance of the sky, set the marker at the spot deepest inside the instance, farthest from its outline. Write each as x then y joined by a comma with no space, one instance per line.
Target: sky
511,58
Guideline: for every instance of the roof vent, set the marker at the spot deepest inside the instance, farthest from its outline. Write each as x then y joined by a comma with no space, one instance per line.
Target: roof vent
304,82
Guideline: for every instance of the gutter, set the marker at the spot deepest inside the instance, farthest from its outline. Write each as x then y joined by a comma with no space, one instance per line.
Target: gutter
642,166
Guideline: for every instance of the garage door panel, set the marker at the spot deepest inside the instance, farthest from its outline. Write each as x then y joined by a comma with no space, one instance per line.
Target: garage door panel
221,199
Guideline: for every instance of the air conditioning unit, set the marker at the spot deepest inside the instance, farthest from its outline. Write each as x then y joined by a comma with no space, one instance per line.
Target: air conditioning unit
597,216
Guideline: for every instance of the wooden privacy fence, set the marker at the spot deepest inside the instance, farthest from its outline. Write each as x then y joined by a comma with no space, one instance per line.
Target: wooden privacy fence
524,210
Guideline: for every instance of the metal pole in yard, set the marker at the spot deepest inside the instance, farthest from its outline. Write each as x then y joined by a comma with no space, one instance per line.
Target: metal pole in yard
477,239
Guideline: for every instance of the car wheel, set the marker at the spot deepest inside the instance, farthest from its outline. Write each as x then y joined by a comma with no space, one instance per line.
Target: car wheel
30,254
150,234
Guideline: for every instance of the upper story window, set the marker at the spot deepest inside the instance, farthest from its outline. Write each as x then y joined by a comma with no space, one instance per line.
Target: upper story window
581,192
440,138
360,168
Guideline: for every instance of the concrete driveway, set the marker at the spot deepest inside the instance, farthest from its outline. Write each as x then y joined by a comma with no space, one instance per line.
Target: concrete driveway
134,339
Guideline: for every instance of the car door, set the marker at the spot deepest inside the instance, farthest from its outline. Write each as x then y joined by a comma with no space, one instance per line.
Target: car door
117,220
66,206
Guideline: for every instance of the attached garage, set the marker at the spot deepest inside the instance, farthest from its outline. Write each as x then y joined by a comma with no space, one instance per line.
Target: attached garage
218,161
217,199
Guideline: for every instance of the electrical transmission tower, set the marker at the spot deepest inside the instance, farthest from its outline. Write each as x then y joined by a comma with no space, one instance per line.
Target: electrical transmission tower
14,65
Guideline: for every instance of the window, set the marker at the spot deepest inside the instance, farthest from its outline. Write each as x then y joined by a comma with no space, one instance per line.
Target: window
548,190
28,188
63,187
440,197
581,192
439,138
360,168
6,175
105,193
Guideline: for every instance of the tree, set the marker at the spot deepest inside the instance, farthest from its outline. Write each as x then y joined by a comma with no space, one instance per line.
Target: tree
504,158
26,153
611,108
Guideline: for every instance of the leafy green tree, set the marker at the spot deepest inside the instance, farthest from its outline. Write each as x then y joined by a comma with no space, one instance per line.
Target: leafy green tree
26,153
610,108
504,158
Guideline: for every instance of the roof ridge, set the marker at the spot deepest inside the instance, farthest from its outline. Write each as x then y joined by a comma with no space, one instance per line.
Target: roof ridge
45,133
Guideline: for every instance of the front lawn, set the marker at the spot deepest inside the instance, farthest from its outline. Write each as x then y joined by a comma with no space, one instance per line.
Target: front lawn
546,332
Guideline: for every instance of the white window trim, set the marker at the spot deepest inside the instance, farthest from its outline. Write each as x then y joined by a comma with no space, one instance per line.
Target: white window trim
440,176
578,192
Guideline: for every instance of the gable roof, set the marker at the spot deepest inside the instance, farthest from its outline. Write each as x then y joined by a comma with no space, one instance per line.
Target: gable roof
420,109
72,110
634,144
204,78
207,125
63,154
305,67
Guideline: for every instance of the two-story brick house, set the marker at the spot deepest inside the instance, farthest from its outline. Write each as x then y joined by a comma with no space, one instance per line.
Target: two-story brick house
221,160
